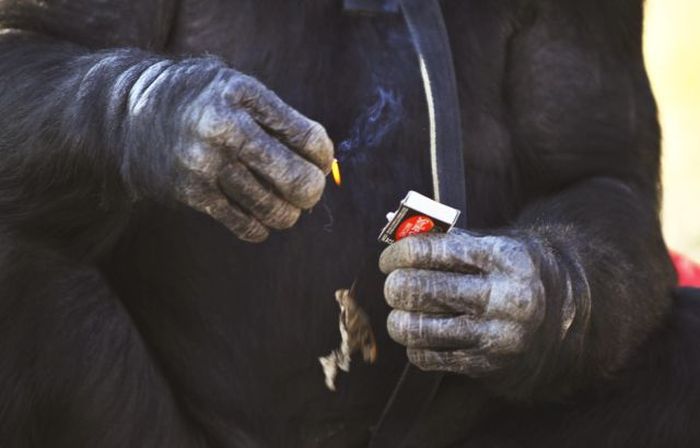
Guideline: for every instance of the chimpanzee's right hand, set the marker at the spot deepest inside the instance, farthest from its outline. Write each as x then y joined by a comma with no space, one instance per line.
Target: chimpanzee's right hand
249,160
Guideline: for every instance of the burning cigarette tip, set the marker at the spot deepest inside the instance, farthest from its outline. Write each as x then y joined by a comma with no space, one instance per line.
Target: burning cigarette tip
335,171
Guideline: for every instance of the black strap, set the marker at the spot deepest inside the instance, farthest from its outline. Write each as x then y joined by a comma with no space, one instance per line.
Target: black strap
412,394
430,39
416,389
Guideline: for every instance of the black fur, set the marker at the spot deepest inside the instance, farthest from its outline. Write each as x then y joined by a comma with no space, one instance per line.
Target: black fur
127,321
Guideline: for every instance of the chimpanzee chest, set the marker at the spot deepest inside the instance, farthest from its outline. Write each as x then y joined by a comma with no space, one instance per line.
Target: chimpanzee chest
250,321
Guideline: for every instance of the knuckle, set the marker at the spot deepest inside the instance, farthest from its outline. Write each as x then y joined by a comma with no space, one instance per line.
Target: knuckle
497,247
190,191
387,258
394,288
397,326
463,327
510,340
320,144
248,82
220,126
211,122
282,216
427,360
476,365
529,302
418,358
241,88
410,252
410,249
417,251
200,159
518,300
522,303
316,183
516,256
390,258
309,185
253,151
251,232
291,218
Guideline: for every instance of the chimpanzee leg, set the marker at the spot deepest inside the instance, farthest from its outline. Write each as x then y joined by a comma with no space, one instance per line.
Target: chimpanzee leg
74,372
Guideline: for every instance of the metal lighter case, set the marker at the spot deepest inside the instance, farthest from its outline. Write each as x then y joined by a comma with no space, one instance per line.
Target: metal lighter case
418,214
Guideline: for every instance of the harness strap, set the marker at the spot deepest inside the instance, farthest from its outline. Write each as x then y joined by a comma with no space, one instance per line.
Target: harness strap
432,44
416,389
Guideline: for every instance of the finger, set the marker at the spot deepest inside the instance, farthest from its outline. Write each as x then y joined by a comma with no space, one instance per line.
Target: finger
474,363
419,330
241,186
434,331
207,198
297,180
455,251
436,292
305,136
516,299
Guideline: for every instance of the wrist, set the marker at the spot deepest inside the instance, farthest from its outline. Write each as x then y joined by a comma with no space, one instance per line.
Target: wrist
552,360
157,125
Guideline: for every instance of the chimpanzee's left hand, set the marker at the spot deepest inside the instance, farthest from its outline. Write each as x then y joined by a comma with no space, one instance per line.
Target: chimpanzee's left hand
462,303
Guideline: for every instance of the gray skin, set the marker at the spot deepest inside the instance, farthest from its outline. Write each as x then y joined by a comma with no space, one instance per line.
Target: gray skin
464,303
249,160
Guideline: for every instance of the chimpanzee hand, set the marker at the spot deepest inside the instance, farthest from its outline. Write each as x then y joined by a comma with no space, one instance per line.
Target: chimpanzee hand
462,303
249,160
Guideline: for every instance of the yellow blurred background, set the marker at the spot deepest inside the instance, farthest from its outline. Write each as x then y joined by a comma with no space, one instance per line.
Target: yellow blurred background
672,47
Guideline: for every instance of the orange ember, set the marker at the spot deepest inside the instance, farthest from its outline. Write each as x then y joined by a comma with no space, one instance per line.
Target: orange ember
335,171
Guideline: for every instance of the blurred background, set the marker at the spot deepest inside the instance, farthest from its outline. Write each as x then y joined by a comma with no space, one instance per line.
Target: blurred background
672,47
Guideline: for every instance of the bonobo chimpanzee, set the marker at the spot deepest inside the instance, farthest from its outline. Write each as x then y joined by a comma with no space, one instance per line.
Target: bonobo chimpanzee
142,151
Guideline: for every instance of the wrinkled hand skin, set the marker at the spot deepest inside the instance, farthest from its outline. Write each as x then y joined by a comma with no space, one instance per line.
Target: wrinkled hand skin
461,302
249,160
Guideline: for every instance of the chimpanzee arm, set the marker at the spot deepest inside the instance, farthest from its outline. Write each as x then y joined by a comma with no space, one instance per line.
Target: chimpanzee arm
586,121
93,117
607,282
560,297
64,103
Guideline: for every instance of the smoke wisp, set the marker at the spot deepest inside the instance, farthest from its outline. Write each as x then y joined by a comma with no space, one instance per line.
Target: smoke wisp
372,125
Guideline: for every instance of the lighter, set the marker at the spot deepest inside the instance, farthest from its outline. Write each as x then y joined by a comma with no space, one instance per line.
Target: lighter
418,214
